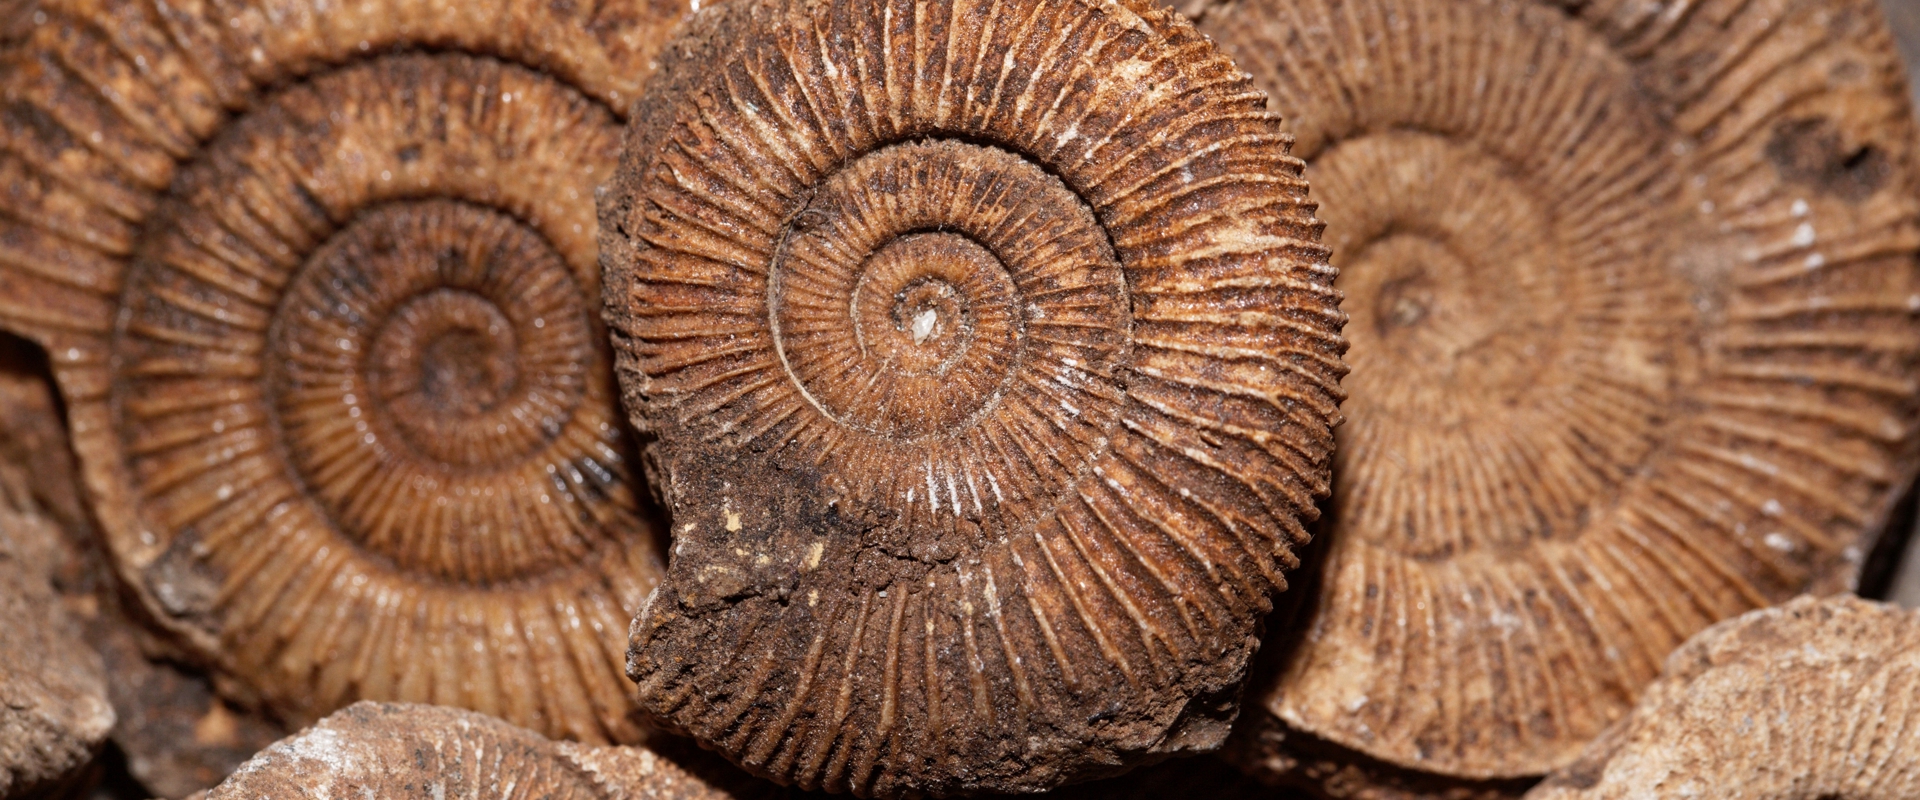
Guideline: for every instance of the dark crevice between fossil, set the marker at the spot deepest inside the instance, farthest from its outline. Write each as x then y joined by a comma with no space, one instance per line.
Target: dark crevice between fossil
1881,566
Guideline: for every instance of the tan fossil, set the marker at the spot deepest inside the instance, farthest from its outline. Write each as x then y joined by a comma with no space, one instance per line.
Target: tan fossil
1635,331
1810,700
396,749
993,359
318,284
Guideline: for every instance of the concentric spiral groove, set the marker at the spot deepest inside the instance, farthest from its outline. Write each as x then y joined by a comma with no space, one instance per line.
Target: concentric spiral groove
1633,345
324,309
993,359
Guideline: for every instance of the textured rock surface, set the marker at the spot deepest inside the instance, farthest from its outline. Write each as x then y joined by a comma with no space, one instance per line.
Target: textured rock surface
993,357
54,712
1813,699
1634,320
402,750
318,281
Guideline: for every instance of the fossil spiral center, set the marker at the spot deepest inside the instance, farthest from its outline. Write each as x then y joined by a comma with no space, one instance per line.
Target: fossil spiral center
940,304
923,301
1489,320
452,350
433,348
1473,328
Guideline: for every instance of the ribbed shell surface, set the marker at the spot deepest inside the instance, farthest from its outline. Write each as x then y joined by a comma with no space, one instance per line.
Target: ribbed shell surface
318,283
1813,699
1635,327
994,358
403,750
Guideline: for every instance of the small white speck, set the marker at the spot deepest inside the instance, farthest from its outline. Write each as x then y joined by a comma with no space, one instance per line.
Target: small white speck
923,325
1803,235
1799,208
1779,542
1816,261
539,322
1706,206
386,175
506,97
1772,508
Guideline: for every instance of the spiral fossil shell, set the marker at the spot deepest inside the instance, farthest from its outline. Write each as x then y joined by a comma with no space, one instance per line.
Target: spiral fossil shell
1633,297
402,750
1810,700
319,285
993,357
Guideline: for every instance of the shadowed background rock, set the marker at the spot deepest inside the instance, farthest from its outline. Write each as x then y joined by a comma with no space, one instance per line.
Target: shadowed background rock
993,357
54,713
1813,699
1633,299
318,286
175,735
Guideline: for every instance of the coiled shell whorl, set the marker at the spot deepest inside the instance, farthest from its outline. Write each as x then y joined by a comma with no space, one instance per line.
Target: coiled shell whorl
993,357
319,285
1808,700
404,750
1636,322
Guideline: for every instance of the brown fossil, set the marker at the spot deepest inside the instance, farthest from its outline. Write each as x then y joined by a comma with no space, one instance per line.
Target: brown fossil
993,357
54,712
1635,321
318,285
1810,700
176,736
401,750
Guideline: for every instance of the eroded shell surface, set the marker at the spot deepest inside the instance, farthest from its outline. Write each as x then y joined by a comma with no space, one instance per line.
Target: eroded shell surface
403,750
993,357
318,282
1812,699
1635,325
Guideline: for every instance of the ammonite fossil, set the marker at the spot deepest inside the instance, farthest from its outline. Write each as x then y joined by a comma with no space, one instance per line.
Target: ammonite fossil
1635,325
402,750
993,357
1811,700
318,282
